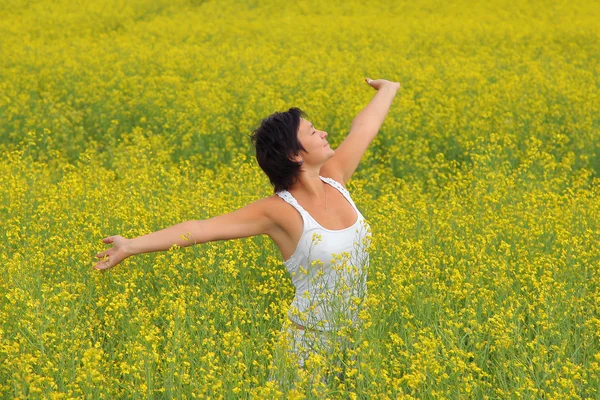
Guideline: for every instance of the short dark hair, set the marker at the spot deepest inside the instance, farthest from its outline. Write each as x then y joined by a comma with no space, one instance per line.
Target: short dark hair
276,142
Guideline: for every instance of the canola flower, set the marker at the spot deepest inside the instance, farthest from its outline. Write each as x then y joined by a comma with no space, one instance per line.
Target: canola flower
481,191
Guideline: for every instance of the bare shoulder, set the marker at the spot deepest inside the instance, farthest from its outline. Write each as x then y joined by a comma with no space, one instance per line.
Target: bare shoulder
273,205
268,205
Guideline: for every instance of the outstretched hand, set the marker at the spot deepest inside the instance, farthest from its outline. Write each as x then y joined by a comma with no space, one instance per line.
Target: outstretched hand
115,254
379,83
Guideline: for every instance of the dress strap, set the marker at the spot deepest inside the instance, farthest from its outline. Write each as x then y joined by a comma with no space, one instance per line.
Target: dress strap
287,196
341,188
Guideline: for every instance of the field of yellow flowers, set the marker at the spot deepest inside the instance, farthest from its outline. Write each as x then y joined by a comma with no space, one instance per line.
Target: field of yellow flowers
481,189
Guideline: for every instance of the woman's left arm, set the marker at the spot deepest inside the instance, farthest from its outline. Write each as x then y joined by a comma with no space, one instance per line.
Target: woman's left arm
364,128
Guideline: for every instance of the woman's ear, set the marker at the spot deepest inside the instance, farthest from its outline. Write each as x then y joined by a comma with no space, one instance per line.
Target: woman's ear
298,159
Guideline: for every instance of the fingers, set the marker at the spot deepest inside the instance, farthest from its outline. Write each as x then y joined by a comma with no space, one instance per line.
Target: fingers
102,265
106,261
103,253
379,83
105,264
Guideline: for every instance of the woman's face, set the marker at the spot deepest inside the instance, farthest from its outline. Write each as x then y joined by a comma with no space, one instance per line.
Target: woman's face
315,143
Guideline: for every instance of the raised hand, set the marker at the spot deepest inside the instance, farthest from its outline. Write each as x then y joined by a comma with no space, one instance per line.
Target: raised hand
379,83
115,254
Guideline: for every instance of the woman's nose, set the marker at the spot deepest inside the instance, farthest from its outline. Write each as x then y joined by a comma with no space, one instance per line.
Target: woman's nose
324,134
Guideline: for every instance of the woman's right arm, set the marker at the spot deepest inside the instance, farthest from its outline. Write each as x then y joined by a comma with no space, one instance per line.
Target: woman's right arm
250,220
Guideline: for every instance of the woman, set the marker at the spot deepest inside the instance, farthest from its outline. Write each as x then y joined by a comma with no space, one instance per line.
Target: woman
311,217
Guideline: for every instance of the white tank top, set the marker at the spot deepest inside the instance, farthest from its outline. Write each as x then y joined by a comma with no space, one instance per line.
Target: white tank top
328,268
